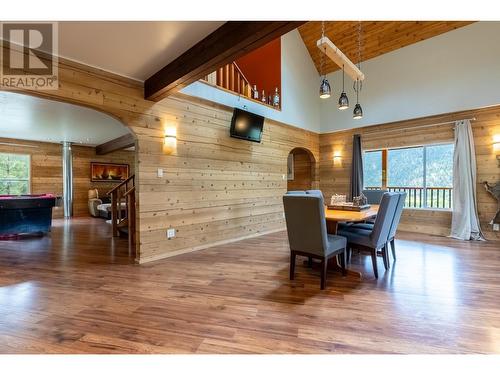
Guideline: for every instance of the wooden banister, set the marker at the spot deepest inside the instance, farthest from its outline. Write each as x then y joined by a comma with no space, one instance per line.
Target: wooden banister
125,182
123,216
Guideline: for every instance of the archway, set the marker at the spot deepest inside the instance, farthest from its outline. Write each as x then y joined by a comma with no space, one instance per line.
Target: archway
38,131
301,170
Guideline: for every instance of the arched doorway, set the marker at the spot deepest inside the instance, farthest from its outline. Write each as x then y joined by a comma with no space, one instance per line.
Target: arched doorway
73,152
301,167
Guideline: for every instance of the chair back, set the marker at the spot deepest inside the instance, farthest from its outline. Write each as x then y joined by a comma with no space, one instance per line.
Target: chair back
397,215
296,192
315,192
306,223
374,196
93,194
383,222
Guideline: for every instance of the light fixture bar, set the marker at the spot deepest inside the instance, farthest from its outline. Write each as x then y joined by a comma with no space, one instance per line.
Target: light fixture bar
326,46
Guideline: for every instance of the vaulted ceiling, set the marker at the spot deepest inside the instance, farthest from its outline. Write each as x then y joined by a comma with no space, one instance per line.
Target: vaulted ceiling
377,37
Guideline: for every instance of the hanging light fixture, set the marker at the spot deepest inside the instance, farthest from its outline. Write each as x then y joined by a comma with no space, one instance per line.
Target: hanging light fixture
343,100
325,90
358,111
358,85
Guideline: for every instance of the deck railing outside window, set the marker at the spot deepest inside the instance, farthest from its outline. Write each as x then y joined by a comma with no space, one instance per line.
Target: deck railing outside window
419,197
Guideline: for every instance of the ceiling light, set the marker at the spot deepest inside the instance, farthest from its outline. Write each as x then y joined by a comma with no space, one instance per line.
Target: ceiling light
325,89
358,112
343,100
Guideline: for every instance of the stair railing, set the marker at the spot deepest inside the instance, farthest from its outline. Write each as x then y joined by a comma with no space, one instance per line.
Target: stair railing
230,77
123,208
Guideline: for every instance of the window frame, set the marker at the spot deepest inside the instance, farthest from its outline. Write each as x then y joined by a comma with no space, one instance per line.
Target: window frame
29,170
384,170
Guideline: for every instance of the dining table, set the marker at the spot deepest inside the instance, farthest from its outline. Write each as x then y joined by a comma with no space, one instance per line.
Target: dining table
334,217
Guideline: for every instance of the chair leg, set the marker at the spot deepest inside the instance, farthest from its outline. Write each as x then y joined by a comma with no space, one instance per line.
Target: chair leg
393,248
292,265
385,255
348,254
342,257
324,265
374,262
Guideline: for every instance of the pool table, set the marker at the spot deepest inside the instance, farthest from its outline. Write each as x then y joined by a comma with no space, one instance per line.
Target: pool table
25,215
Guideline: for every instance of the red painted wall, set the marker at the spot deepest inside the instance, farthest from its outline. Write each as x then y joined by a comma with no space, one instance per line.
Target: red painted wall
263,67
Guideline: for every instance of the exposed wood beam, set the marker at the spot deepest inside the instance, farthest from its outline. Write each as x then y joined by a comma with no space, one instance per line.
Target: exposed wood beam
337,56
229,42
125,141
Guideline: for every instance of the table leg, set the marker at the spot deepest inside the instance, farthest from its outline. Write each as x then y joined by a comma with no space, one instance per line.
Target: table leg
331,226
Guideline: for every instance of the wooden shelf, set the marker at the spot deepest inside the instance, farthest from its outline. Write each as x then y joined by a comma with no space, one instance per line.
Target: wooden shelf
243,96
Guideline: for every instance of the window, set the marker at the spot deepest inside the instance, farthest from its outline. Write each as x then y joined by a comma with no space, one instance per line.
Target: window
425,173
14,174
372,165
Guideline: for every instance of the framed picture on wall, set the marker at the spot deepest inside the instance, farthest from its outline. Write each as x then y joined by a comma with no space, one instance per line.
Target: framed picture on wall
290,167
108,172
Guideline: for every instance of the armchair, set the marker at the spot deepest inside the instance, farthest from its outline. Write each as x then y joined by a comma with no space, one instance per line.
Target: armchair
93,202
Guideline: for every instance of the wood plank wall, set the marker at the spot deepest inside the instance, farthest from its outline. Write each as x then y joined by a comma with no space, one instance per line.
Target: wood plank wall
303,170
46,170
215,188
335,178
208,169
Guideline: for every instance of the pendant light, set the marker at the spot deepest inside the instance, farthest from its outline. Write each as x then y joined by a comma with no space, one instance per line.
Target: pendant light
325,90
343,100
358,111
358,85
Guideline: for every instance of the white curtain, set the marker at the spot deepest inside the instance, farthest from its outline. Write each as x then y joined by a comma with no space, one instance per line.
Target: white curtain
465,222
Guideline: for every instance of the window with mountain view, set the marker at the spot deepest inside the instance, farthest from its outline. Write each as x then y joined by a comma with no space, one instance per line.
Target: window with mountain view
14,174
425,173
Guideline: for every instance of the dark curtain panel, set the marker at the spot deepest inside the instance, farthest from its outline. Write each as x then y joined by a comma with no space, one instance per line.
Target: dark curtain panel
357,167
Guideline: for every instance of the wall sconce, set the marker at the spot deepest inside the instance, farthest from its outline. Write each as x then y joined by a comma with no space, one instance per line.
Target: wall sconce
337,158
170,140
496,147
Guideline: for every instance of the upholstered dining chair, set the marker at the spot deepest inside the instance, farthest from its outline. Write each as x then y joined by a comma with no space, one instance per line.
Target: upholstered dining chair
374,196
296,192
307,235
319,193
375,239
394,225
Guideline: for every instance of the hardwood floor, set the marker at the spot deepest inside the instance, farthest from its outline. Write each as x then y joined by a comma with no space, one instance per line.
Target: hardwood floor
79,292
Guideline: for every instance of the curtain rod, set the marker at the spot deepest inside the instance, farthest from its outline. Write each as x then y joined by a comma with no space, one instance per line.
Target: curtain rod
416,127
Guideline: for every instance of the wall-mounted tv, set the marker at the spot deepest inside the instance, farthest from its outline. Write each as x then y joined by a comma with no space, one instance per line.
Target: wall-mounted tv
246,125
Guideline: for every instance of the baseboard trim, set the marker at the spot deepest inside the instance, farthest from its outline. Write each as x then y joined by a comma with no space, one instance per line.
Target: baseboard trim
202,247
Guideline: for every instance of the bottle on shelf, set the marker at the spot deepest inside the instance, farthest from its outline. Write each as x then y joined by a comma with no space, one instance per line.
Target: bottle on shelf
263,97
276,98
255,93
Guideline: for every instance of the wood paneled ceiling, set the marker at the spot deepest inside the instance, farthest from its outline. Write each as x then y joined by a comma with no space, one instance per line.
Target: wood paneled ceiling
378,37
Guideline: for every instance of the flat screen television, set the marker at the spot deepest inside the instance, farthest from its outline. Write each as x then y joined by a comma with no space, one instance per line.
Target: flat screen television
246,125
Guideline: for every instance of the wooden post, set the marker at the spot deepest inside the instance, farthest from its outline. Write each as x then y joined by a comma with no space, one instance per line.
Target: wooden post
114,216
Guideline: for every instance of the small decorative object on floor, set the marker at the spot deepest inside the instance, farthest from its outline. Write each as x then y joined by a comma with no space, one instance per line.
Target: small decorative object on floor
495,191
338,198
276,98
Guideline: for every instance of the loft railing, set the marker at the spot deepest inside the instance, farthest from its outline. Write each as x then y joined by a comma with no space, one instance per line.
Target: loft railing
230,77
123,210
420,197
